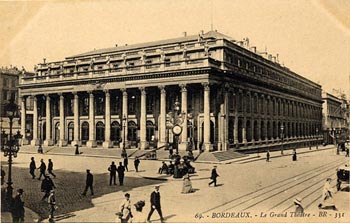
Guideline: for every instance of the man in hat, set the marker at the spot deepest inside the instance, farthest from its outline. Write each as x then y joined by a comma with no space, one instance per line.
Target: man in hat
46,186
50,168
136,164
213,176
112,173
155,204
121,171
89,183
299,209
52,205
32,167
18,207
42,168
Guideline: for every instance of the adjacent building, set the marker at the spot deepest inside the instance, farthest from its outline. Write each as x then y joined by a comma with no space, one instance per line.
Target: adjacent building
229,96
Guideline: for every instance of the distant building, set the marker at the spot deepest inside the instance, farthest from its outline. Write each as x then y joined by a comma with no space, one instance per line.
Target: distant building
230,95
334,117
9,79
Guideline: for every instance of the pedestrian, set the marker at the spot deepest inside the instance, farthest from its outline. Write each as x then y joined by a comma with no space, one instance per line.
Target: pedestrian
171,168
213,177
126,162
89,183
347,152
136,164
18,207
121,171
327,196
155,204
52,205
163,168
2,175
268,156
125,209
187,185
299,209
50,168
112,173
46,186
32,167
294,155
42,168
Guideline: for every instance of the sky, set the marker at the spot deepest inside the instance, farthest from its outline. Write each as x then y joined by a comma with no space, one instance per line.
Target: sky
312,37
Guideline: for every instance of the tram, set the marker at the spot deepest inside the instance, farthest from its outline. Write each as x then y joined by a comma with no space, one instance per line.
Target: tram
343,176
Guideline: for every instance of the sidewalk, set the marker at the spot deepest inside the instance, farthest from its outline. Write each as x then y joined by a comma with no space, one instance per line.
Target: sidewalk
30,216
116,153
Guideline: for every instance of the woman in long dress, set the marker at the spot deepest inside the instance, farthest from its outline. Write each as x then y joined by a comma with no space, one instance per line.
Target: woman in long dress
327,196
187,185
125,209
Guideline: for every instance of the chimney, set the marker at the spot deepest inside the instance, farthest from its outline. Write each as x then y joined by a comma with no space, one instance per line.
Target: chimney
253,49
270,57
44,59
274,59
185,34
277,58
202,32
116,45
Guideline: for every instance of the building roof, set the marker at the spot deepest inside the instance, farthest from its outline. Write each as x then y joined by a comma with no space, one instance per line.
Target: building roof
208,35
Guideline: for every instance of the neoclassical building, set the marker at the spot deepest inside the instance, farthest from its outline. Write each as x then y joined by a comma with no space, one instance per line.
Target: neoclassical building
230,96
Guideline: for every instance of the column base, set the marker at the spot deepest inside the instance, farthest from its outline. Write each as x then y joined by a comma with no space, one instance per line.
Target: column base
62,143
183,146
91,144
126,145
208,147
143,145
25,142
75,142
107,144
160,144
34,142
48,142
219,146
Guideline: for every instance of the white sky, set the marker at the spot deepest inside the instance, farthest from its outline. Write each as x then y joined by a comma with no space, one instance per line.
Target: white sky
309,40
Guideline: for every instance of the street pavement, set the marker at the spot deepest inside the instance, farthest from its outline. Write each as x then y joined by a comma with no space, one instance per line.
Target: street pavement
245,191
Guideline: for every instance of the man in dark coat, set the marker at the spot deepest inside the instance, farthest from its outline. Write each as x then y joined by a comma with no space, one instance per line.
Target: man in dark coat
268,156
42,168
121,171
126,162
294,157
214,175
112,173
2,176
89,183
155,204
32,167
50,168
18,207
46,186
136,164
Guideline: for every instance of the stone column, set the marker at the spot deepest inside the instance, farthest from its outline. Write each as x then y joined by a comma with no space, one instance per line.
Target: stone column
48,141
206,138
35,140
23,120
259,130
143,118
76,140
107,143
124,123
162,124
92,130
244,130
183,144
62,142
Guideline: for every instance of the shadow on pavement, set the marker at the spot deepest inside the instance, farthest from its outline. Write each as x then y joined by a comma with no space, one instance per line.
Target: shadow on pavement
69,186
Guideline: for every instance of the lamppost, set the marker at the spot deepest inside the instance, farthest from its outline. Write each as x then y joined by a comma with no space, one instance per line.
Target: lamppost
316,138
124,129
176,120
11,148
40,148
282,135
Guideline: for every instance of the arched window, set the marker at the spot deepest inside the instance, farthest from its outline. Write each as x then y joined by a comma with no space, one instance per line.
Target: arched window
115,132
70,132
84,132
100,132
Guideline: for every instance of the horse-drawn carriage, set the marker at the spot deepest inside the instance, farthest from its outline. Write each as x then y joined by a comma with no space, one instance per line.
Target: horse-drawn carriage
343,176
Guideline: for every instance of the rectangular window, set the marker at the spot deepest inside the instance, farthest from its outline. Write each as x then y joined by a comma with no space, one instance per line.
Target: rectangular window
167,62
150,104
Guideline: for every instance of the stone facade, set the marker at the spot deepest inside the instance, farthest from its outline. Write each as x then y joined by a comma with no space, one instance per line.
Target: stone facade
230,96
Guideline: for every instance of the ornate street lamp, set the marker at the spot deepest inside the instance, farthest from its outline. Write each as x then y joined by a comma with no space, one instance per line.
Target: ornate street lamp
40,148
124,129
176,120
316,138
282,137
10,146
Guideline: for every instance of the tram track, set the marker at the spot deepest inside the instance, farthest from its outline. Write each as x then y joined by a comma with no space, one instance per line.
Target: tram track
249,197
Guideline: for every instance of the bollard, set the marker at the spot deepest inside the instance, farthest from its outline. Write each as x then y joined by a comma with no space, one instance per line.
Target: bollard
76,149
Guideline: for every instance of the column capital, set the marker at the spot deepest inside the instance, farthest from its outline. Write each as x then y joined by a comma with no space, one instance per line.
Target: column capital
106,91
125,93
143,90
162,89
206,86
183,87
